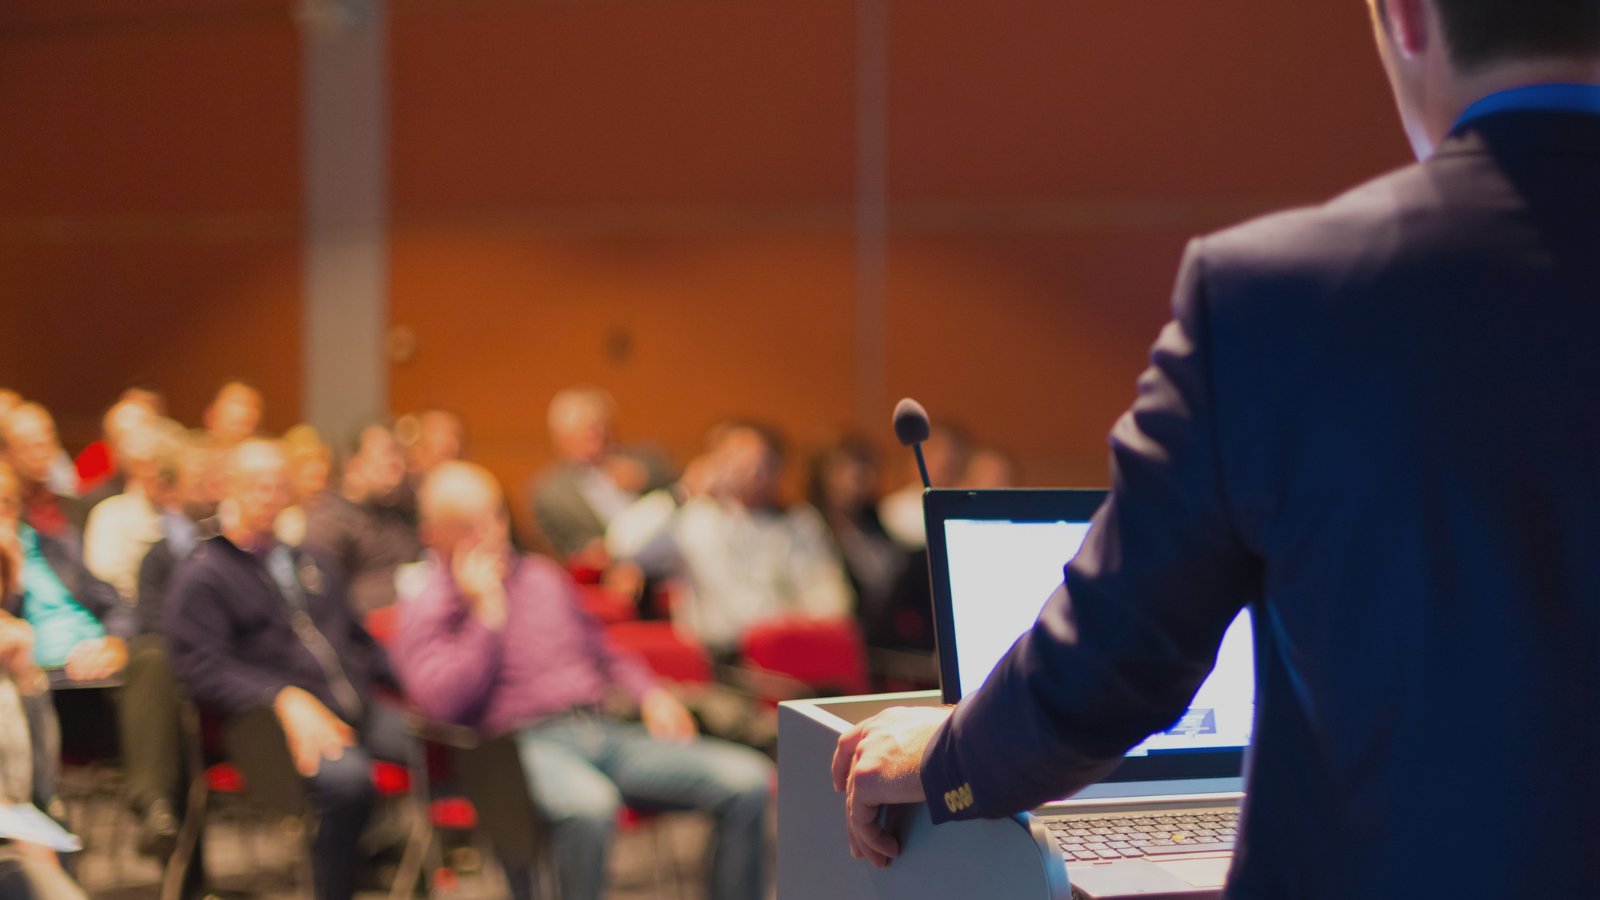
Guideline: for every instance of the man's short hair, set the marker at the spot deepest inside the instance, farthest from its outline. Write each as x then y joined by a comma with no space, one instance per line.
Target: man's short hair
20,412
1480,32
583,395
770,435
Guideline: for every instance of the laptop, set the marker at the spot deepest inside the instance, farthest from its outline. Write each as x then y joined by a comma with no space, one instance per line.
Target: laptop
1162,824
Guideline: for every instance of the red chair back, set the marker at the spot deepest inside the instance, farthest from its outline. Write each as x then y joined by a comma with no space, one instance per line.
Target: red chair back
383,624
670,656
826,655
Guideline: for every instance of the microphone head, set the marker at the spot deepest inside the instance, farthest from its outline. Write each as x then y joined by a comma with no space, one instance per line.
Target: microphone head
910,422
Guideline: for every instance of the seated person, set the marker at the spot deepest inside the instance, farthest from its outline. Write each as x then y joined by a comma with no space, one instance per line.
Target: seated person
29,443
369,530
80,624
122,528
496,641
945,452
844,489
595,480
233,414
746,558
990,468
430,437
135,408
151,703
310,463
26,869
261,634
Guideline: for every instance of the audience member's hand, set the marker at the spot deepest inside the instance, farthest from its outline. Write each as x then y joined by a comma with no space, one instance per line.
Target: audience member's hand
10,557
312,730
480,570
624,578
626,473
666,719
701,476
877,762
16,647
96,658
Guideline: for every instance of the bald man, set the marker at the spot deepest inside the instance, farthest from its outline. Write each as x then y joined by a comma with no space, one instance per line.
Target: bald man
261,633
497,641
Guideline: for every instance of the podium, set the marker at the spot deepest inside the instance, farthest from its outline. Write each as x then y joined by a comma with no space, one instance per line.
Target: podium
1005,859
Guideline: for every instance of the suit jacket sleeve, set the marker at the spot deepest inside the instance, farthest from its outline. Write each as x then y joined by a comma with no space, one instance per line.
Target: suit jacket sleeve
1119,651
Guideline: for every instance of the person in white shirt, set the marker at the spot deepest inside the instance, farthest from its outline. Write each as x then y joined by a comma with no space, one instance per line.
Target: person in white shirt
745,558
121,529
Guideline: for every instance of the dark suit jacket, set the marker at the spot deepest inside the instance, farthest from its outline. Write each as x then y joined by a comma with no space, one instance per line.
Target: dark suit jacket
1377,423
233,646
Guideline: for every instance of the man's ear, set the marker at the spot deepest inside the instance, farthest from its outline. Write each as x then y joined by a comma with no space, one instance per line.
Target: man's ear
1407,22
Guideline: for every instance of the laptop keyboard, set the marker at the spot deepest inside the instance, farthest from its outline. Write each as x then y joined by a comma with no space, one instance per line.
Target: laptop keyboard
1133,837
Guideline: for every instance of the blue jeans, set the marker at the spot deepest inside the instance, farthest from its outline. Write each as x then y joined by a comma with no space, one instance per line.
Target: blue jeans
581,768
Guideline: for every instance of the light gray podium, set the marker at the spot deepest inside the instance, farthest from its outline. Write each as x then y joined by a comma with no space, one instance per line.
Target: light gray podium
1007,859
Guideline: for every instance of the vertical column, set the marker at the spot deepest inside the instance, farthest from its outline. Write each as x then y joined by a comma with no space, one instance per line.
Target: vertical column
872,166
346,257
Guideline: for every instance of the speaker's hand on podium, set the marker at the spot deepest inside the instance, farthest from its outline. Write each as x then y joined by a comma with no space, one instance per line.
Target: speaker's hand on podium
879,762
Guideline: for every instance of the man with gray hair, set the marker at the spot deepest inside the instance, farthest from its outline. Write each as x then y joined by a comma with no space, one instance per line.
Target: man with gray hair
261,634
595,479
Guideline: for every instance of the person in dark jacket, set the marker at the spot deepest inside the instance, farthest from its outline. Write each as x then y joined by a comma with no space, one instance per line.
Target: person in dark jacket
262,635
1373,423
368,528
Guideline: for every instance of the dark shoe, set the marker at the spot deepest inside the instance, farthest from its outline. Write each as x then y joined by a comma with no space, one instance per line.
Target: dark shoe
158,830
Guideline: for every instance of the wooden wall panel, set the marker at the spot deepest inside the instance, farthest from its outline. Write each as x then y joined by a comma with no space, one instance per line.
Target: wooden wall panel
149,203
688,101
713,327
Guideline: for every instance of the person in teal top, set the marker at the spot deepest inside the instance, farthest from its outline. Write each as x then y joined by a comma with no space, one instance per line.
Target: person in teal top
79,622
60,623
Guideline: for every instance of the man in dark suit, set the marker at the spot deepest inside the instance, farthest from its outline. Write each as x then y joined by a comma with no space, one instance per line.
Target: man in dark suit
1376,423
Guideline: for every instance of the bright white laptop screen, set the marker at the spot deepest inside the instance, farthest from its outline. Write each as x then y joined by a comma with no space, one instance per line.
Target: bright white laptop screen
1001,574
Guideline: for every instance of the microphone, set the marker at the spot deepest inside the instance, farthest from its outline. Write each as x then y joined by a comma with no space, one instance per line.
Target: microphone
912,428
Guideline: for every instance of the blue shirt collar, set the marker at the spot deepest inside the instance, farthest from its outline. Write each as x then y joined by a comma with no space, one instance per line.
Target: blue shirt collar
1560,97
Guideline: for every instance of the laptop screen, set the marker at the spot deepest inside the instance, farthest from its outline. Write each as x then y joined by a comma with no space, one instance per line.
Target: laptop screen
998,556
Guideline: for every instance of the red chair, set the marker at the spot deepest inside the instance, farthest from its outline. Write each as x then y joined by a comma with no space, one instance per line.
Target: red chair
669,655
606,605
383,624
828,656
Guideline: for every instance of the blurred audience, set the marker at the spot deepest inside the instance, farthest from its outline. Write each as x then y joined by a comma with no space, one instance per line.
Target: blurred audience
122,528
262,634
429,438
945,451
497,641
29,444
80,624
27,870
595,480
746,558
844,489
151,702
369,528
98,461
310,465
989,469
233,414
